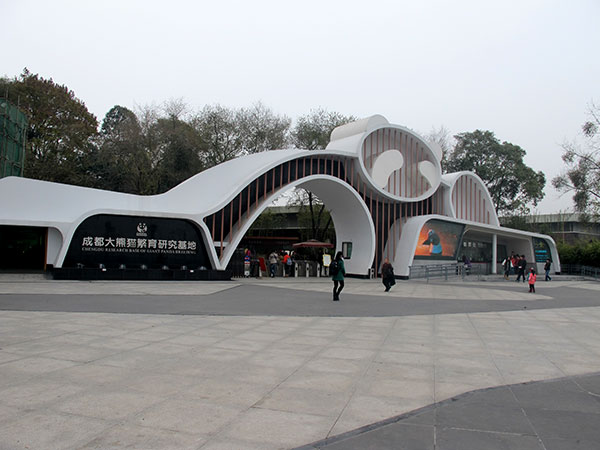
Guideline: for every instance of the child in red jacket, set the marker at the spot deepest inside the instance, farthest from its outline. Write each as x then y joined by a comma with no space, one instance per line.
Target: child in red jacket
532,277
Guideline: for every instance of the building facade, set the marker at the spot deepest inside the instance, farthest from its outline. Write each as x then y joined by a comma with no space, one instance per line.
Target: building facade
382,184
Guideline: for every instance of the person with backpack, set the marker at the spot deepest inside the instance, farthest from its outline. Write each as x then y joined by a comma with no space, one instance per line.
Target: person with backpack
337,272
387,275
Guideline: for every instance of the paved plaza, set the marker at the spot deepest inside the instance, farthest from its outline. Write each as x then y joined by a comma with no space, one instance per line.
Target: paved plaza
275,364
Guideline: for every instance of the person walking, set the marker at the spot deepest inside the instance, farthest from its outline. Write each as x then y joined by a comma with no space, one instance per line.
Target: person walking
273,261
522,265
547,270
506,265
531,279
337,272
387,275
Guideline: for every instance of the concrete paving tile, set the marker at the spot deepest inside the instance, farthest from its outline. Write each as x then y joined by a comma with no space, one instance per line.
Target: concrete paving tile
396,436
160,384
322,381
277,360
469,375
256,336
570,444
282,429
79,353
226,392
305,401
451,439
589,384
348,353
446,390
93,375
503,418
367,409
107,404
188,416
131,359
46,430
7,413
35,365
7,357
397,357
35,393
570,425
167,348
222,354
419,372
398,387
219,443
193,340
335,365
241,344
143,438
560,395
294,349
355,343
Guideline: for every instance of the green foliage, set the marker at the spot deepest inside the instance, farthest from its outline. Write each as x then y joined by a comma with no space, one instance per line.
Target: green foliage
584,253
60,131
120,162
267,223
582,174
227,133
513,185
312,131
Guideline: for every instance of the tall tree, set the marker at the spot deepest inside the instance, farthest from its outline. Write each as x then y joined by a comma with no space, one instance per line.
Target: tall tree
313,130
61,130
218,131
582,173
121,163
179,147
260,129
513,185
442,137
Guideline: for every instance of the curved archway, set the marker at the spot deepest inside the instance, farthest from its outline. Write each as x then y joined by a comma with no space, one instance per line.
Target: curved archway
349,214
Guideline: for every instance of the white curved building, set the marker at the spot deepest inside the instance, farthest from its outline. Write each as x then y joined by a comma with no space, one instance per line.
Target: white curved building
382,183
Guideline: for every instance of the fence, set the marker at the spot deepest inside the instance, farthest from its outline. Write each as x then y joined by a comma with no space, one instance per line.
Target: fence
446,271
577,269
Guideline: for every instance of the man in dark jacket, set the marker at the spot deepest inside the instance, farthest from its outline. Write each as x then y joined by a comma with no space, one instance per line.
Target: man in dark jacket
522,265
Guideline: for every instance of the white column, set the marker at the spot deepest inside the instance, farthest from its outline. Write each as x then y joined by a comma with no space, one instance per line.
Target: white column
494,252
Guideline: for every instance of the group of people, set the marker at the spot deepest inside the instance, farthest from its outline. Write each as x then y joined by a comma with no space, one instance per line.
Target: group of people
287,258
515,264
518,264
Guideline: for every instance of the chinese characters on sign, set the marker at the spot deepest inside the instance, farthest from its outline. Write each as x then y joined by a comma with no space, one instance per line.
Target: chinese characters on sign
138,245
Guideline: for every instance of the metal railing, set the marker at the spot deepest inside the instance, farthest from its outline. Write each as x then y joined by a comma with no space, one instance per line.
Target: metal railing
448,271
578,269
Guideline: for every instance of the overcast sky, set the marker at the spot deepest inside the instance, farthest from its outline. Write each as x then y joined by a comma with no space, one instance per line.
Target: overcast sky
526,70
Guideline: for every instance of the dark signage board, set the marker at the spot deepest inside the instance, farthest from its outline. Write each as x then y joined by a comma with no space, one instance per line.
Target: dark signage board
542,250
136,242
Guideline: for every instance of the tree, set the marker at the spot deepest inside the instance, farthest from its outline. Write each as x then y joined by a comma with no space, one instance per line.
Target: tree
120,162
441,136
61,130
218,131
313,130
260,129
179,145
582,174
512,184
314,220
